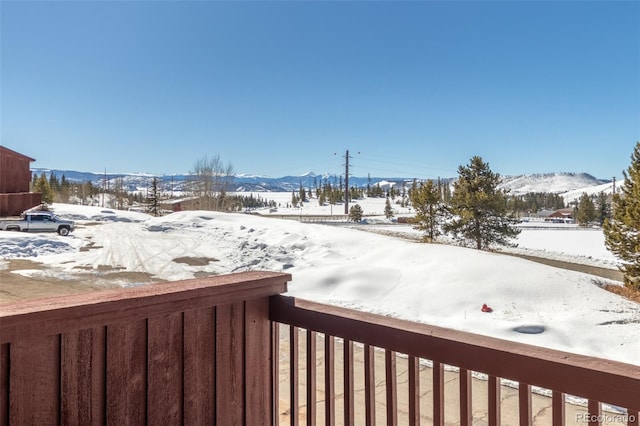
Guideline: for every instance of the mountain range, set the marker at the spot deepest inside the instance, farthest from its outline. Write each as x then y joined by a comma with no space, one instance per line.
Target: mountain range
562,182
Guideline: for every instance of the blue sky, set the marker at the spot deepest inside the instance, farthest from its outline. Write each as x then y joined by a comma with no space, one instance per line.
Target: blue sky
283,88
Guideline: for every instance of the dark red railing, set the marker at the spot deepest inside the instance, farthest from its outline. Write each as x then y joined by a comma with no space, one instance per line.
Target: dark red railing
596,380
230,350
190,352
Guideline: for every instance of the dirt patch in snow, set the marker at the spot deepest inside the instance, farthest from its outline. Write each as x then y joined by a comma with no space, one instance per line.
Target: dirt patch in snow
26,279
195,261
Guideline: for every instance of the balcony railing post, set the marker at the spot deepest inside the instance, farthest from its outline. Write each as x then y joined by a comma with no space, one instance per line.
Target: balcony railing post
391,388
349,413
558,408
466,413
369,385
414,391
329,380
311,378
438,393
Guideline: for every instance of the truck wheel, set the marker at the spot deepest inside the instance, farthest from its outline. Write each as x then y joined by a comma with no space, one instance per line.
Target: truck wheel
13,228
63,230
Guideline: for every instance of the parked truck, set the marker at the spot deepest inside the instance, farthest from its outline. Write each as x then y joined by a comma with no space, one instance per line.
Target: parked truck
40,221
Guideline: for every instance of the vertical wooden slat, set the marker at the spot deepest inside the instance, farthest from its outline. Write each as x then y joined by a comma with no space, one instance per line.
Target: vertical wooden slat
199,366
4,384
524,404
329,380
294,372
466,413
349,412
230,364
258,385
391,387
414,391
595,412
311,378
275,372
164,369
438,393
34,377
369,385
494,398
127,373
83,377
557,408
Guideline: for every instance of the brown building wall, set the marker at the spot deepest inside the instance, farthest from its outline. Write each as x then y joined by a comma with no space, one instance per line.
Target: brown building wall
15,179
15,204
15,173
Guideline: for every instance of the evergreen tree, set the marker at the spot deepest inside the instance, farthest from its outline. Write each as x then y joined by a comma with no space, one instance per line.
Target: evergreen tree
65,189
54,183
479,207
302,194
321,198
430,212
622,232
388,211
42,186
355,213
603,209
586,211
153,198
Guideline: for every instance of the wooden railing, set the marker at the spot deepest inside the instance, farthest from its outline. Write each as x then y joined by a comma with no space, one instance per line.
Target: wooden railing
596,380
191,352
211,351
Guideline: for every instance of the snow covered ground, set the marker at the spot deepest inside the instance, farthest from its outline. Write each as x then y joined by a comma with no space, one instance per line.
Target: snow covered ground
433,283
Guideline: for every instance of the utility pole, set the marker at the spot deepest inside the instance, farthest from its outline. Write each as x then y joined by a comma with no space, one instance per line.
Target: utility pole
104,185
346,184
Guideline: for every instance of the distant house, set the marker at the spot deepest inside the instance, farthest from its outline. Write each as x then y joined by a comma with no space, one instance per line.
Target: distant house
177,205
561,216
544,213
15,179
563,213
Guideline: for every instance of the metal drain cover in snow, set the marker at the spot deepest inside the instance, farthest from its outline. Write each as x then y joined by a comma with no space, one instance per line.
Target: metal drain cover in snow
530,329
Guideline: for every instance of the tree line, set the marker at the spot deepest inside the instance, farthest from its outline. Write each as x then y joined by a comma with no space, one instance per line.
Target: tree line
476,211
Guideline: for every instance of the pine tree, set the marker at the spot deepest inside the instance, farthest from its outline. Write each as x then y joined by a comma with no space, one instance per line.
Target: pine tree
430,212
302,194
355,213
622,232
479,207
586,211
153,198
42,186
388,211
65,189
603,210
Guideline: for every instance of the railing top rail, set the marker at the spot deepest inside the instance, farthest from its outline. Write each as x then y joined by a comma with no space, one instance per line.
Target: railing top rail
40,317
594,378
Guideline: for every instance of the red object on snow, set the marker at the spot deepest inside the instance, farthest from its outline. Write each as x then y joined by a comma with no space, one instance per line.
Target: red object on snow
486,308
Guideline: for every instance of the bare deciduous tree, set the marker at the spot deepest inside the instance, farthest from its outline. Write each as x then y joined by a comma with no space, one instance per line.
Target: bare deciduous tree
210,182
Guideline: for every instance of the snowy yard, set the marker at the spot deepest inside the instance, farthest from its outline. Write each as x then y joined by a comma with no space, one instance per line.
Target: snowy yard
433,283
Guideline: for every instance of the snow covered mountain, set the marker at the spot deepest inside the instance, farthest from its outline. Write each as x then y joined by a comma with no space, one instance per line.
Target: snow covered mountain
570,183
550,182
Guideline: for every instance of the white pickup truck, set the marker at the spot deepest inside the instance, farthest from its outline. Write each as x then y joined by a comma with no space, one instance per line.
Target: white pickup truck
38,222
